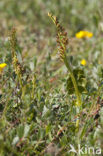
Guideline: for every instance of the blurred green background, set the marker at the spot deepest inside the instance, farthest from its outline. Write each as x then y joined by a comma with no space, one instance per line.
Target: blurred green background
32,23
36,32
32,14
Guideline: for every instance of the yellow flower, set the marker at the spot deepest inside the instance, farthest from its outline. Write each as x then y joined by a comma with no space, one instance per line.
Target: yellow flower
83,62
2,65
83,34
80,34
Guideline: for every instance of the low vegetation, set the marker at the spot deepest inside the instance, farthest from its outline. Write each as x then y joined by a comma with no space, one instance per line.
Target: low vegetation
51,78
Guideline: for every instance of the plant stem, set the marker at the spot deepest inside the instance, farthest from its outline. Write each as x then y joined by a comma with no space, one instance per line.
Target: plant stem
79,102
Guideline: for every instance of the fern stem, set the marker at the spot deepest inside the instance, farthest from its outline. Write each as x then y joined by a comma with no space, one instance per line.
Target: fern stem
79,102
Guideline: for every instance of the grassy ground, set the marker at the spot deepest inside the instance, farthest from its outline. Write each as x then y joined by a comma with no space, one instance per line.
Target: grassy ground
39,109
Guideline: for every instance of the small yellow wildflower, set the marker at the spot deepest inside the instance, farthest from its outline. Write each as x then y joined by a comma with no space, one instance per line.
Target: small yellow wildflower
83,62
89,34
80,34
83,34
2,65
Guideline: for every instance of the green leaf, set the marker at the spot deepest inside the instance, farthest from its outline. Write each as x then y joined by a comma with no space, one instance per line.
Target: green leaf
15,140
80,79
20,131
26,130
48,129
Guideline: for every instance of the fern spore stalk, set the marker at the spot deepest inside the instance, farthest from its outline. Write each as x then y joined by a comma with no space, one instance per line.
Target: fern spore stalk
62,41
17,66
